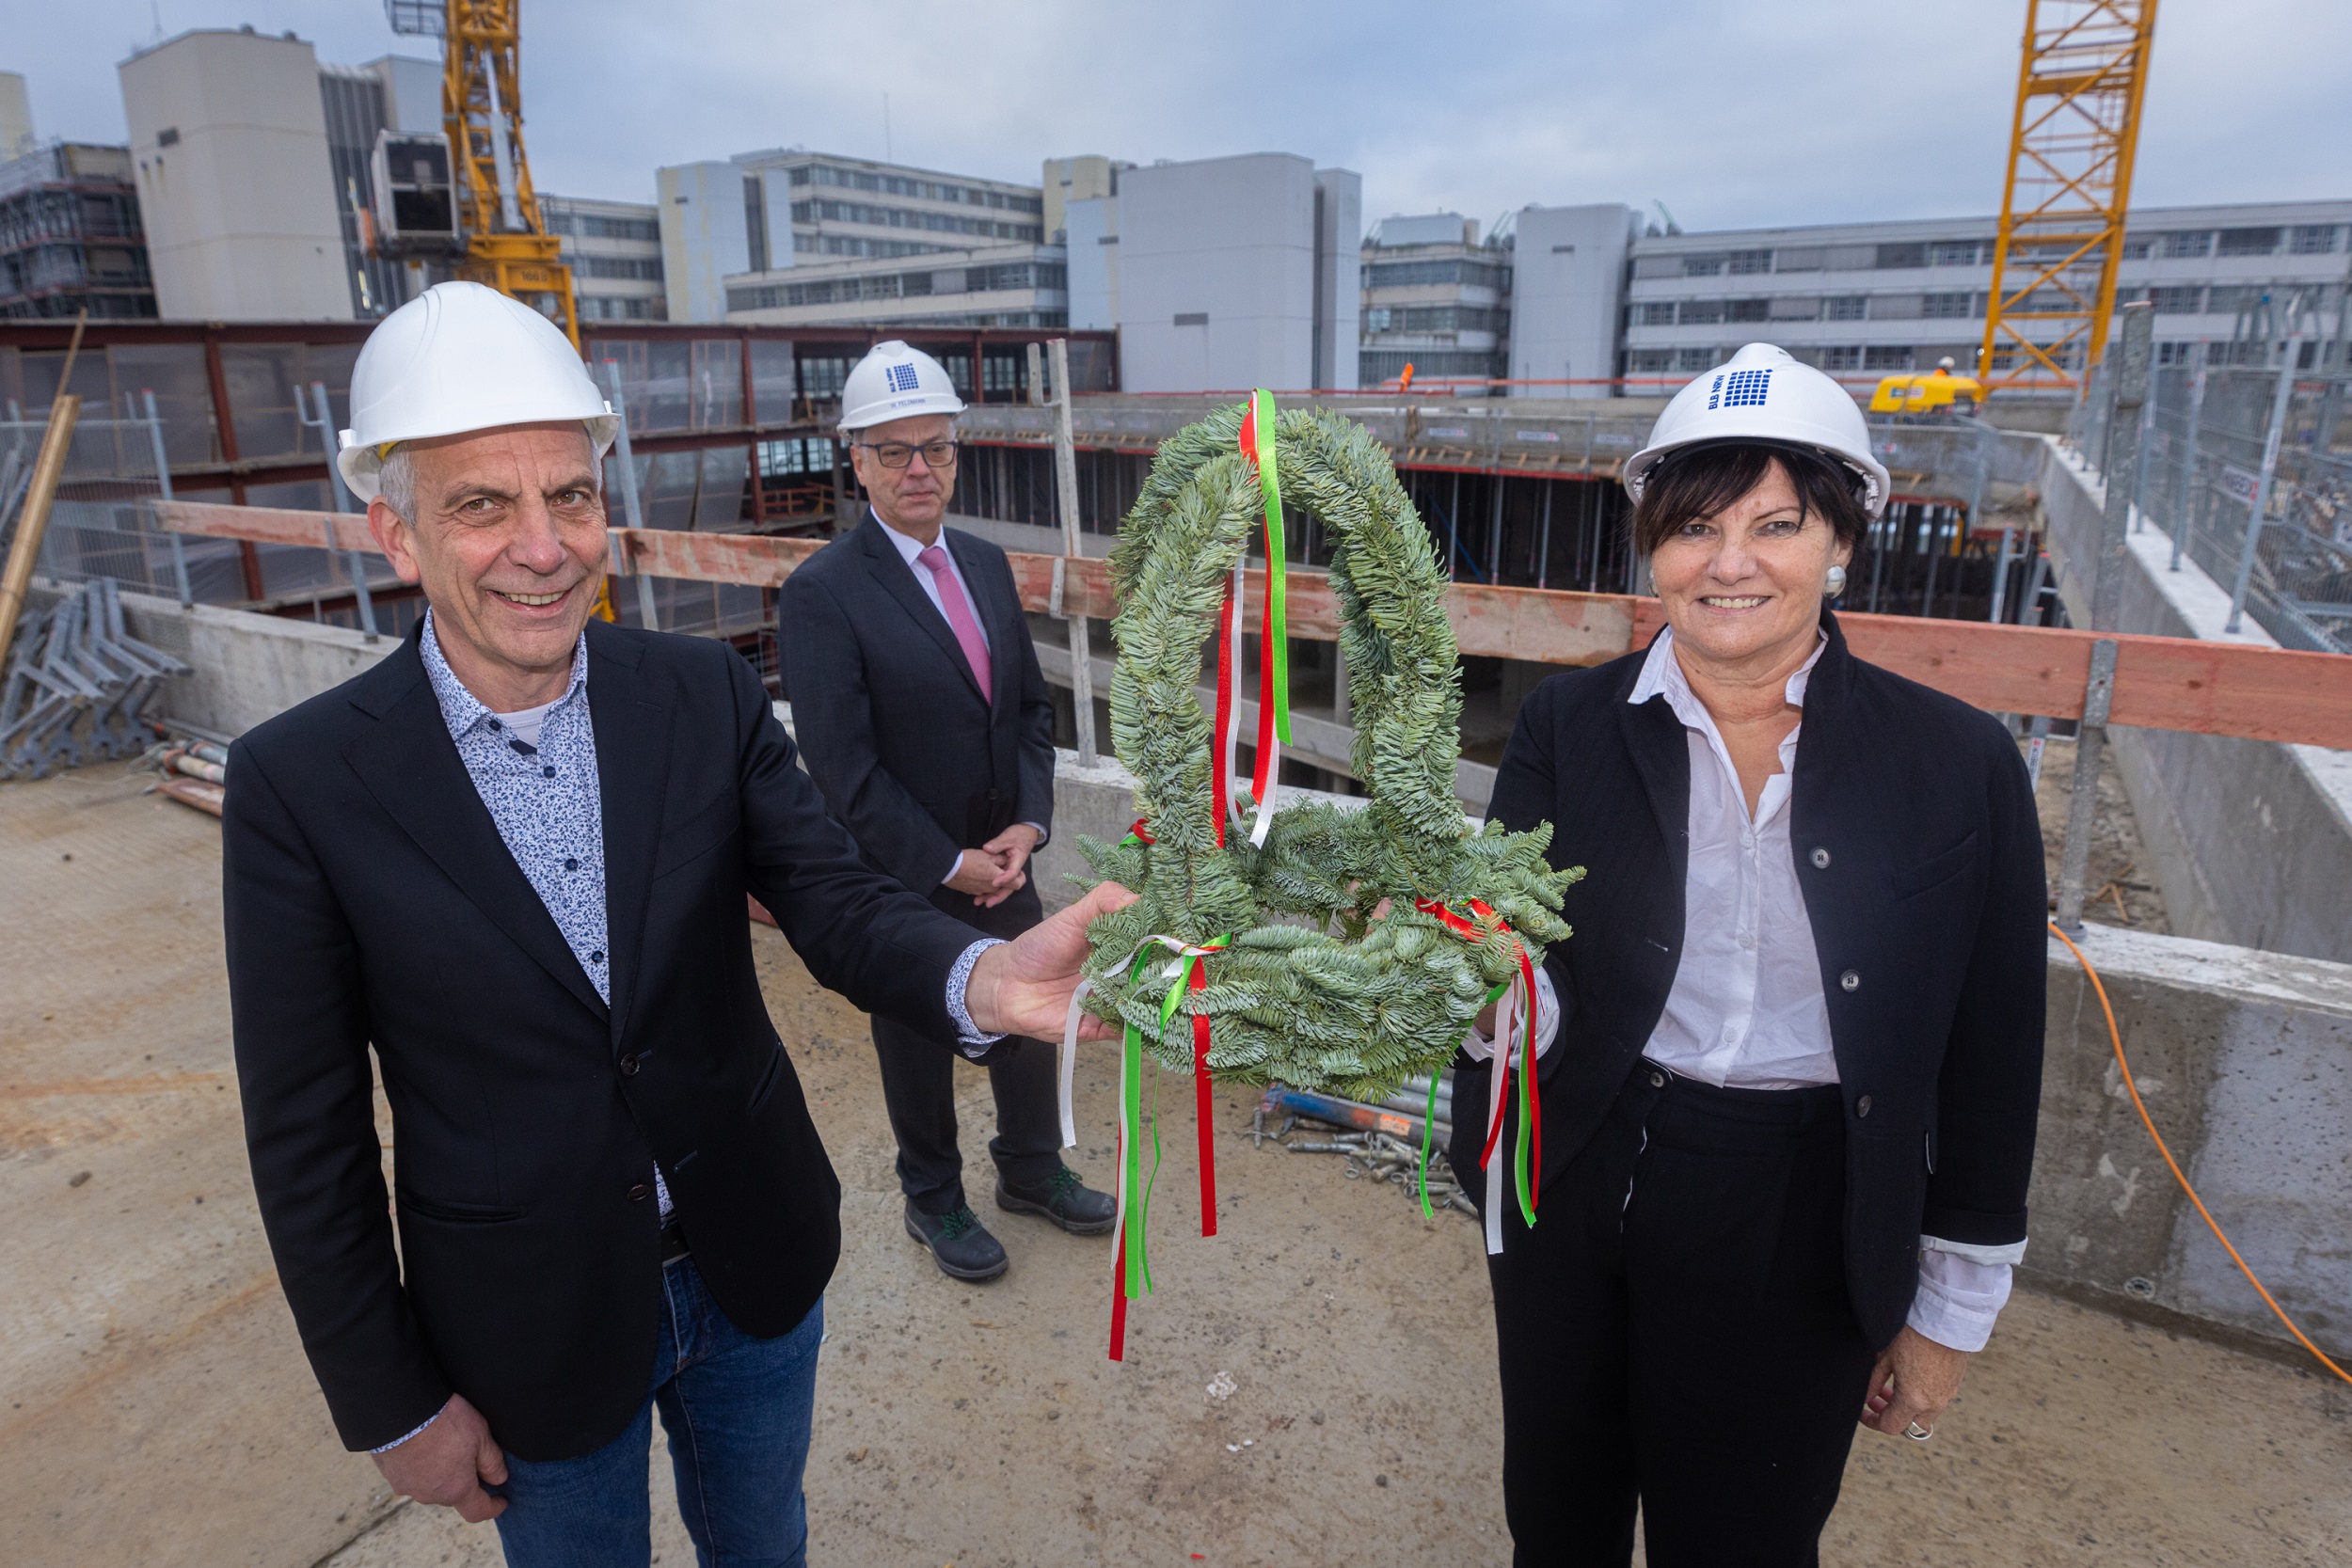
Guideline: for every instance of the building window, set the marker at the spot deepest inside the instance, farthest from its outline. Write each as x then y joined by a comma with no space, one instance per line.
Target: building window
1409,275
1747,309
1701,312
1841,359
1796,307
2176,354
1952,307
1649,361
1902,255
1703,267
2184,299
1952,253
1745,262
2187,243
1849,307
1653,312
1695,359
2315,239
1799,259
1886,357
2248,242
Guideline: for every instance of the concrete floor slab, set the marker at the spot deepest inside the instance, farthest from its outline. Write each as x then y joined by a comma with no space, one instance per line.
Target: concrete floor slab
956,1424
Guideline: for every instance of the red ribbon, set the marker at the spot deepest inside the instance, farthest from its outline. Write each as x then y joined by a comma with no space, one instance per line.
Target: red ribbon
1202,1114
1220,786
1534,1103
1118,1304
1140,833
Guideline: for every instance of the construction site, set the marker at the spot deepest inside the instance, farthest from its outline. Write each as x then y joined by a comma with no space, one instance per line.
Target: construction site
2125,532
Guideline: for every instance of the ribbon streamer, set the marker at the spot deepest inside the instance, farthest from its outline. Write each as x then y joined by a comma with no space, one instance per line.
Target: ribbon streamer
1258,441
1516,1015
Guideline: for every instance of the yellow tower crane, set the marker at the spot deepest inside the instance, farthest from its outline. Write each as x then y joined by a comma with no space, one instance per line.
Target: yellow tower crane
505,243
2079,90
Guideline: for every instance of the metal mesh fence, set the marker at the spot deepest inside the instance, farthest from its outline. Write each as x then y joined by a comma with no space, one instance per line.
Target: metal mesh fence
2221,439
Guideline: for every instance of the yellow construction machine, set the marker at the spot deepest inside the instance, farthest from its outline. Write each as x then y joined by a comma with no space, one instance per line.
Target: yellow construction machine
1938,391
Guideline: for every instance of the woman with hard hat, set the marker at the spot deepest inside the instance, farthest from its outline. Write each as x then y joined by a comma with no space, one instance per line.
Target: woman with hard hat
1788,1117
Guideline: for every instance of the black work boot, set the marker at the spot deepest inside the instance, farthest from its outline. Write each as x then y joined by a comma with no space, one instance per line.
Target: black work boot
960,1245
1064,1200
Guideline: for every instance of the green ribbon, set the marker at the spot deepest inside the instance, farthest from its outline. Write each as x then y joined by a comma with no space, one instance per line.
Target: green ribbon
1278,646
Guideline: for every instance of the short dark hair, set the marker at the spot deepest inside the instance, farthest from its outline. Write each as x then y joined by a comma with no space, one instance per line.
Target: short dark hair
1699,482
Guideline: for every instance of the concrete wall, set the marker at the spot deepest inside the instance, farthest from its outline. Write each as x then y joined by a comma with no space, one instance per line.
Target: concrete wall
1339,275
1091,224
1567,286
2252,840
705,235
2245,1062
236,189
246,667
1217,273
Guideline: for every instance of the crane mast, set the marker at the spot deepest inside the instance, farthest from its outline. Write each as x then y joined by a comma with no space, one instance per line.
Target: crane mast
505,242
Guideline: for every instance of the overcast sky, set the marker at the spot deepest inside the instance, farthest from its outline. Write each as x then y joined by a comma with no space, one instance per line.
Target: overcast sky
1731,112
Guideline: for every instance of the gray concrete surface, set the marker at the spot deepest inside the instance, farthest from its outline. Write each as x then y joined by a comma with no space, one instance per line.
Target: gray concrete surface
160,1410
2244,1059
2252,839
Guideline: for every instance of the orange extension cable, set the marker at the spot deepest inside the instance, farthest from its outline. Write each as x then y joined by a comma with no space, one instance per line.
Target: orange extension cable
2115,1035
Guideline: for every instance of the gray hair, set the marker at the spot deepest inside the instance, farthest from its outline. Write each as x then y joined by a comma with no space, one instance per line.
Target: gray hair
396,480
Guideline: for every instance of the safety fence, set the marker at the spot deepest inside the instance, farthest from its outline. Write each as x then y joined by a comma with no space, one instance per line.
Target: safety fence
2239,464
2170,683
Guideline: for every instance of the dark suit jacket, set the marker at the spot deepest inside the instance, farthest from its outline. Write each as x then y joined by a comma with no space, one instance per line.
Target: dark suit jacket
892,724
1919,854
370,899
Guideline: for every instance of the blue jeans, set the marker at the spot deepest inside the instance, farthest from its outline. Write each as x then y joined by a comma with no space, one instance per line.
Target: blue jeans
738,1412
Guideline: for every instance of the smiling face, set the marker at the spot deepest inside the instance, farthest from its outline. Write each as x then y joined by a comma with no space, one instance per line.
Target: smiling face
509,543
912,499
1742,585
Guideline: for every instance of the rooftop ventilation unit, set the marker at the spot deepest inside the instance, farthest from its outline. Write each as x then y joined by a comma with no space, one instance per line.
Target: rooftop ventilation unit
416,199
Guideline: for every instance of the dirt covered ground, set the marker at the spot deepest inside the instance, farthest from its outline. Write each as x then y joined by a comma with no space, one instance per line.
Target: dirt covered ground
159,1411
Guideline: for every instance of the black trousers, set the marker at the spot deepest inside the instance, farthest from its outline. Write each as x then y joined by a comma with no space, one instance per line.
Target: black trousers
918,1076
1674,1331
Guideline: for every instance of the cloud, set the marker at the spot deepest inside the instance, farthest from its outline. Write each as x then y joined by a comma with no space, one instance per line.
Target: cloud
1731,112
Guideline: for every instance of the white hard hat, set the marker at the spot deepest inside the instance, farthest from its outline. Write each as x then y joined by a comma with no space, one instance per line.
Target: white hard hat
895,381
459,358
1762,395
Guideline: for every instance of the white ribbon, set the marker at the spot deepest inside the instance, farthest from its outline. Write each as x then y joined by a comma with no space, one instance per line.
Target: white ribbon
1077,1010
1507,1039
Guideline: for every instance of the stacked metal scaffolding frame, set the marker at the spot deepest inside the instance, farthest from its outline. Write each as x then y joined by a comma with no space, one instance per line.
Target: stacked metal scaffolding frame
2072,141
79,686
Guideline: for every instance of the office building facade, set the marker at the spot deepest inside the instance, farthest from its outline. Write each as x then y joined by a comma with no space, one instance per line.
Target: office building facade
614,251
69,235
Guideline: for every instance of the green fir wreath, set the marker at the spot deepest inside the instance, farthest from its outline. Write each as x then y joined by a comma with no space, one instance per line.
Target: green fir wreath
1312,983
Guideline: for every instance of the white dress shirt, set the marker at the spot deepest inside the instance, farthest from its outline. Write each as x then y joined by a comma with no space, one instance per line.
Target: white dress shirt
909,548
1747,1009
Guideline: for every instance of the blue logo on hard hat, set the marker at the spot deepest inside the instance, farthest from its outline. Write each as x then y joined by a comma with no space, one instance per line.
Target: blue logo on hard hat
1740,390
901,378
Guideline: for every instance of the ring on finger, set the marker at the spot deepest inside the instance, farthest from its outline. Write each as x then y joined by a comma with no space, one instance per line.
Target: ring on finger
1916,1433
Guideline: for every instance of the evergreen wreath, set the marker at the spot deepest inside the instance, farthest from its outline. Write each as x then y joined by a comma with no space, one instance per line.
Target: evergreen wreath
1311,982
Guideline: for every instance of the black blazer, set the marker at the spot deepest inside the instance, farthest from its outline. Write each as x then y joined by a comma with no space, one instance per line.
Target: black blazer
1919,854
370,901
891,724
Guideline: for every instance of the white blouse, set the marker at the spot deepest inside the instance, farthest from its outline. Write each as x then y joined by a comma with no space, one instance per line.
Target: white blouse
1746,1009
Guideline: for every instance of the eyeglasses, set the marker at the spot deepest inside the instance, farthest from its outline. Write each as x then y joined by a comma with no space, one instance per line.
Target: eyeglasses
898,455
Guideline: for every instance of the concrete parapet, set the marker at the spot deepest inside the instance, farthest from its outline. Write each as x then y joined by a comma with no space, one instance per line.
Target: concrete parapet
2252,839
2244,1060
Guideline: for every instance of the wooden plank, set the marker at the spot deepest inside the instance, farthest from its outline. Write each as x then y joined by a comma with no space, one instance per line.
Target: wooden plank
266,525
2161,682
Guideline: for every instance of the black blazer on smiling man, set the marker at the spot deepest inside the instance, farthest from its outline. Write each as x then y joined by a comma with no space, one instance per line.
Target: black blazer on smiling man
910,757
1919,855
370,901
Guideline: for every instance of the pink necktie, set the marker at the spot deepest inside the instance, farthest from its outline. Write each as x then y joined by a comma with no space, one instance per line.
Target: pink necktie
960,616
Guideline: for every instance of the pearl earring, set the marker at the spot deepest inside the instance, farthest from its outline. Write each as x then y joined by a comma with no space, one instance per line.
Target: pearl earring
1836,580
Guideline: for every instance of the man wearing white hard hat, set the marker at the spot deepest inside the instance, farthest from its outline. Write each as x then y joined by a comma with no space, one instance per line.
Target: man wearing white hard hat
512,860
925,720
1788,1121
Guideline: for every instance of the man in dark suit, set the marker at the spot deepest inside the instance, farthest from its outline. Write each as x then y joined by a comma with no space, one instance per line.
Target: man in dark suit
924,719
513,858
